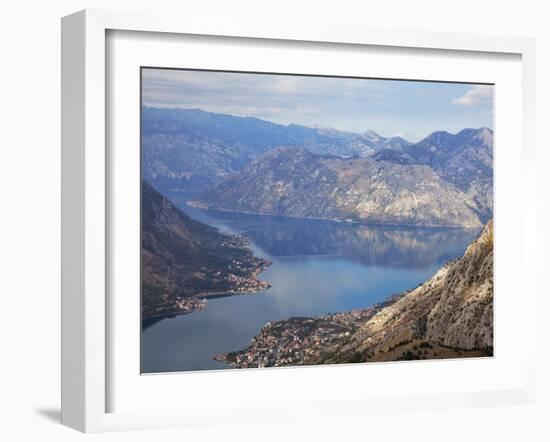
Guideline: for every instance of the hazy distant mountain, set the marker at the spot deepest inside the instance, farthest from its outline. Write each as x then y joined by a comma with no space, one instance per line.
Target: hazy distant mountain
444,179
182,258
190,150
349,144
294,182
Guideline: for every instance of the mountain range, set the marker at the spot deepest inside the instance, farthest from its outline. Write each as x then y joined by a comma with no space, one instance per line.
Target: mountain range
189,150
294,182
249,165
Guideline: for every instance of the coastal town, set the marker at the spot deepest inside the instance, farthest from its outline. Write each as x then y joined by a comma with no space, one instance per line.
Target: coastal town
186,262
297,341
240,274
246,285
243,282
188,305
300,341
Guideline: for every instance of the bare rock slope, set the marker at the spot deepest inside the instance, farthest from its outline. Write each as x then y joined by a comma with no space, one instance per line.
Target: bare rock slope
294,182
452,309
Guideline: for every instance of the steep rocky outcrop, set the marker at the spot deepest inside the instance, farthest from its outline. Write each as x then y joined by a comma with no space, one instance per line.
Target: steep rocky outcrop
452,309
463,315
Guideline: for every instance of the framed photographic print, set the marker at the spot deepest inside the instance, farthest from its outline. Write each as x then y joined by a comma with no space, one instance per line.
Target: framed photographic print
293,201
251,213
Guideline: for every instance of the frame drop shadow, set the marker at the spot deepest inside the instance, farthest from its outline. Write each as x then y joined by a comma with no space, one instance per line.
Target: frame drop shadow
51,414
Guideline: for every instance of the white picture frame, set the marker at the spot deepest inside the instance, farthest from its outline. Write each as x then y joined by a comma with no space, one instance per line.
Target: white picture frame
86,205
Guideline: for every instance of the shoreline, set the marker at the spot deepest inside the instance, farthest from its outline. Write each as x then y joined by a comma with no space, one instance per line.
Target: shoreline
333,327
197,205
199,301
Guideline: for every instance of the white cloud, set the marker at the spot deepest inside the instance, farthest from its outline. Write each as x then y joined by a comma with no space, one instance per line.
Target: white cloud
477,96
280,98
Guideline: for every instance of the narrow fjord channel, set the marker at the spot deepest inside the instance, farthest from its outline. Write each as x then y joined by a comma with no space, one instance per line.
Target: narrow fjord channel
318,267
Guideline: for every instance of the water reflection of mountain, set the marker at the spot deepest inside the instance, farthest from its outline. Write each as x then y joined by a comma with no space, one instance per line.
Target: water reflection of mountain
404,247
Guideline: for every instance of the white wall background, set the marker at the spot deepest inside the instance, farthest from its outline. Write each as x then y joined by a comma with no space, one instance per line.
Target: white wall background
30,219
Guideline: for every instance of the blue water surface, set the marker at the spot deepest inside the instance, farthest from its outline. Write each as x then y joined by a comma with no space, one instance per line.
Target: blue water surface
318,267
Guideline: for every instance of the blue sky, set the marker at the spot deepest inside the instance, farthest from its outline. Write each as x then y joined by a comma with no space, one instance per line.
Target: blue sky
410,109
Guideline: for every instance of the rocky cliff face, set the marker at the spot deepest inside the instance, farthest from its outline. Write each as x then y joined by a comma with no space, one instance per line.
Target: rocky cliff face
452,309
292,181
463,315
465,160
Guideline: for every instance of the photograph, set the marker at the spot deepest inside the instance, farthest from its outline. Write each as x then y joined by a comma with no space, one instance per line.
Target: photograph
295,220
